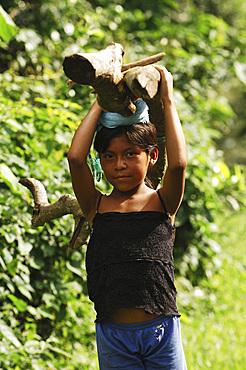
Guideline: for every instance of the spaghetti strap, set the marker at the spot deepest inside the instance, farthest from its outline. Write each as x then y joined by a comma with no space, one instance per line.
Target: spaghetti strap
99,201
98,204
163,205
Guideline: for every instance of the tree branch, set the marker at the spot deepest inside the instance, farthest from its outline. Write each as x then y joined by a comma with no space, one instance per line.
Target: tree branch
143,62
44,212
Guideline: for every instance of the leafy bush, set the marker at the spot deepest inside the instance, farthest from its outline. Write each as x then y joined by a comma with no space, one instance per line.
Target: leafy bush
45,312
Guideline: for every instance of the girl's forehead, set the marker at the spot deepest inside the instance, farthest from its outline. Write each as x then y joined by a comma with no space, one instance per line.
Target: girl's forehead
119,139
120,142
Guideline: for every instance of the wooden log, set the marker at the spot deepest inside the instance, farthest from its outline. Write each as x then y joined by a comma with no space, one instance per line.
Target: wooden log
69,60
143,81
86,68
103,71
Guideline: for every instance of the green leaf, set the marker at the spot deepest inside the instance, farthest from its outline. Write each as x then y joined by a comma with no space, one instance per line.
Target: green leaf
224,170
19,303
34,311
7,255
58,350
75,270
15,126
36,263
51,301
7,26
8,333
240,69
9,178
44,312
35,346
2,263
24,247
24,291
12,267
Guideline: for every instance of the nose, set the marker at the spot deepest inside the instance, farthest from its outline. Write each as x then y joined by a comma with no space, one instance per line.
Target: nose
120,163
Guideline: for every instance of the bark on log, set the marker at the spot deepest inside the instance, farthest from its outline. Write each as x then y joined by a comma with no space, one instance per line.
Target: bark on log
103,71
143,81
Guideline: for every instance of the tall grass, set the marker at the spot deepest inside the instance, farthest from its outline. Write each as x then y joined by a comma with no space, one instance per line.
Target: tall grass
214,335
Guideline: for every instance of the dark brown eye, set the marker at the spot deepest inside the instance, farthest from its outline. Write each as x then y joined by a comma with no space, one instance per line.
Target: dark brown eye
130,154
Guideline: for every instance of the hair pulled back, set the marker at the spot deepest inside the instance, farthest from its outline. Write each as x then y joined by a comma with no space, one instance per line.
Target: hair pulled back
141,134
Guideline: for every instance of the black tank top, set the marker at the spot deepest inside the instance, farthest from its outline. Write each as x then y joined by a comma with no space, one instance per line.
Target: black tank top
129,262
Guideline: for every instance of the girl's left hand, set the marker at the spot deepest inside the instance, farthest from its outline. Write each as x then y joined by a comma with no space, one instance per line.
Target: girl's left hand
166,87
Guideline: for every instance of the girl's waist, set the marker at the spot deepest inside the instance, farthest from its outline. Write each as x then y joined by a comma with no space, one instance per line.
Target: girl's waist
131,315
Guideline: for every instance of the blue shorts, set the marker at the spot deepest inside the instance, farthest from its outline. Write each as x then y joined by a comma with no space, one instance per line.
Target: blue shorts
154,344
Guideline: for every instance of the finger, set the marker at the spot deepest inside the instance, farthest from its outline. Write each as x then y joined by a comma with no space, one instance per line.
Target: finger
161,68
165,74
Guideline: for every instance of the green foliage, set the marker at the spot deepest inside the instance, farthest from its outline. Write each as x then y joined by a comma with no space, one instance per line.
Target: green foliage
213,314
43,286
7,26
46,320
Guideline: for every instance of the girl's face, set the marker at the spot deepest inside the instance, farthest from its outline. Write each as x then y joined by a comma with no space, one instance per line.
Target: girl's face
124,164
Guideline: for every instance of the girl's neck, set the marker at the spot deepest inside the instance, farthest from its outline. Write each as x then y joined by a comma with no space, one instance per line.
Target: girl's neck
140,190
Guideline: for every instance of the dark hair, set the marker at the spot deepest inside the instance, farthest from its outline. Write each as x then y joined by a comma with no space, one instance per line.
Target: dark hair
141,134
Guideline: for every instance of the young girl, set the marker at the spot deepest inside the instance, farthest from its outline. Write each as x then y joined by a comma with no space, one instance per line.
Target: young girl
129,257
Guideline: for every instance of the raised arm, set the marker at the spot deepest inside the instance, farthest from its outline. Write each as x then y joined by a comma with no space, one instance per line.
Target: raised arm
82,180
174,179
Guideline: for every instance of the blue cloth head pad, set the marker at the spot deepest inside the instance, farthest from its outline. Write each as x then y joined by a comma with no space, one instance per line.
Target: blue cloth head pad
112,120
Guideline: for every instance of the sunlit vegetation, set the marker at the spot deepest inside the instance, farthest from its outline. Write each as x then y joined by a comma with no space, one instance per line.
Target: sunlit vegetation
46,319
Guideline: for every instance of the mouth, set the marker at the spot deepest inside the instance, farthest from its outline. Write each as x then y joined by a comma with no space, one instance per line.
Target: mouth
122,177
